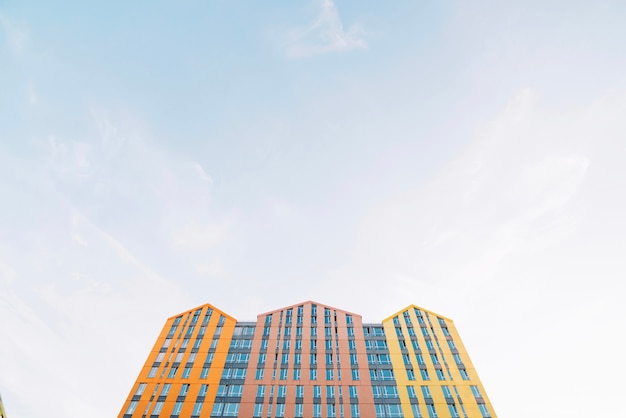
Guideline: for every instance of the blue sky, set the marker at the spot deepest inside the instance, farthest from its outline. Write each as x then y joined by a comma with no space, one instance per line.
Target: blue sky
467,158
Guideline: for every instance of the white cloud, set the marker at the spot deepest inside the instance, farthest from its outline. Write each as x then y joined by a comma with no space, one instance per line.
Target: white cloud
326,34
16,36
202,174
213,269
200,237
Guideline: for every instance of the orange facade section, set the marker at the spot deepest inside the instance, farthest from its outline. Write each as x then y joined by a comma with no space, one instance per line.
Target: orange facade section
179,363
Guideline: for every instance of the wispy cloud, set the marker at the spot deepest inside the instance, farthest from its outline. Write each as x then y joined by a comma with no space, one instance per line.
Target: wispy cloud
327,34
16,37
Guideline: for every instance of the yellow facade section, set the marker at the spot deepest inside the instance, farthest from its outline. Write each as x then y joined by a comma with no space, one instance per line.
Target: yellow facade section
426,351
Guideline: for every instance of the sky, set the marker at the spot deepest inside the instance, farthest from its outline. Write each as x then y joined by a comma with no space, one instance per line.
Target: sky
466,157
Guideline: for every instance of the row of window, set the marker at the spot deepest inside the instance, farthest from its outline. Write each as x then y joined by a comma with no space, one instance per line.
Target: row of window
281,391
331,410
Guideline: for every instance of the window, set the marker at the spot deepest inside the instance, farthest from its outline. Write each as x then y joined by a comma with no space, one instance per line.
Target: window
172,373
331,411
283,374
282,391
296,374
354,411
313,344
317,391
386,375
298,344
355,374
186,372
464,374
351,345
454,413
313,359
377,392
297,358
354,393
280,410
204,373
329,344
178,406
329,359
440,374
410,374
394,411
299,391
258,410
313,374
197,408
153,372
157,408
483,410
426,392
140,389
317,410
235,390
416,411
239,374
166,389
231,410
424,374
298,412
432,412
203,390
262,358
209,358
330,391
259,374
390,392
132,407
475,391
222,390
329,374
354,359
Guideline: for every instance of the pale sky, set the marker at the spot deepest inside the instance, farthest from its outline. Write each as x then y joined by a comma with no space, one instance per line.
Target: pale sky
466,157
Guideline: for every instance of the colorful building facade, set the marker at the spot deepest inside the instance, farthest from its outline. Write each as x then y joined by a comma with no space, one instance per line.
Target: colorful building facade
308,361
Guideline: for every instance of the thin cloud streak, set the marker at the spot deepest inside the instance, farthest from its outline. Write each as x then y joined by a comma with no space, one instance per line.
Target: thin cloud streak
325,35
